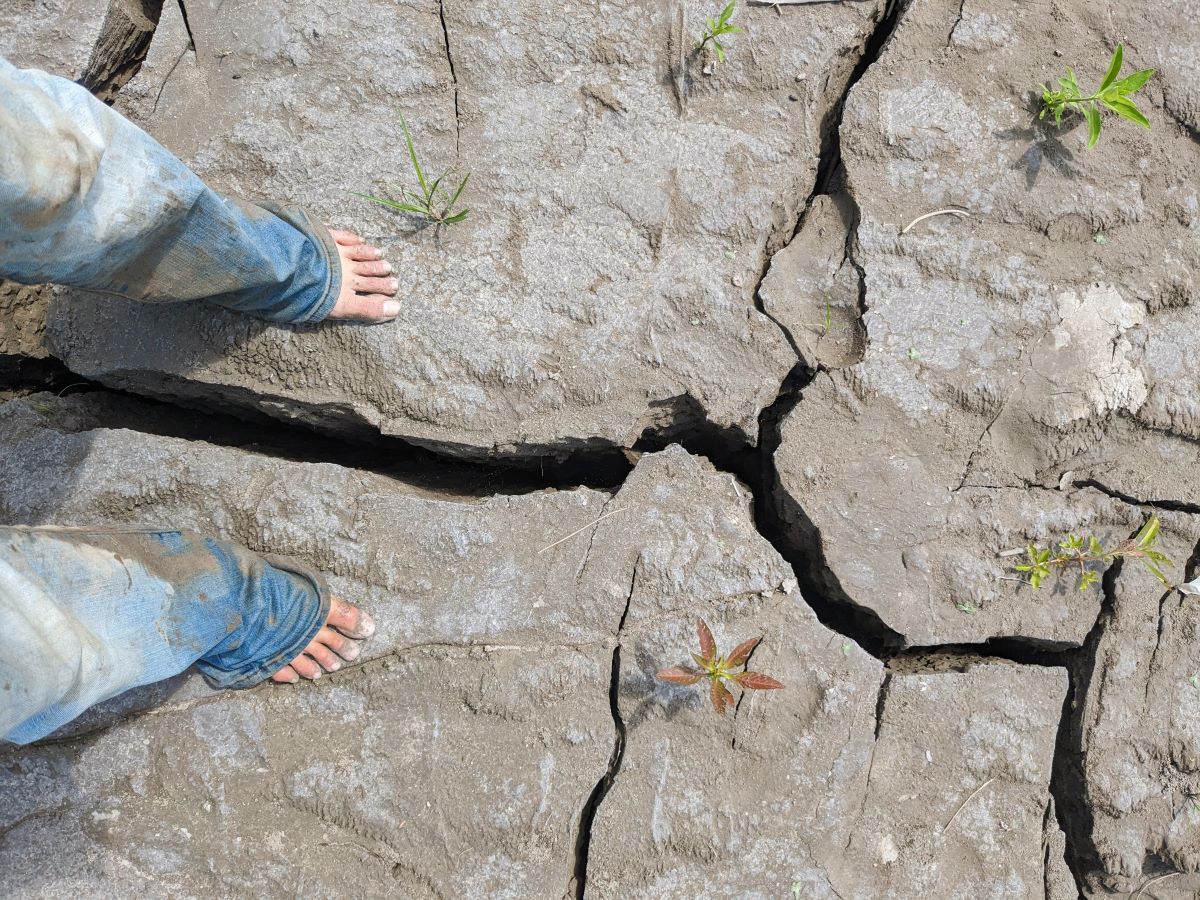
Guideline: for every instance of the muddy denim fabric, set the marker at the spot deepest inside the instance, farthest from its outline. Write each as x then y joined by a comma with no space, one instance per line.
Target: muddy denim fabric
88,199
86,615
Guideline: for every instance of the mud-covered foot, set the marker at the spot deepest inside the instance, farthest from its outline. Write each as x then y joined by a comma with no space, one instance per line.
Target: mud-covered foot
367,283
340,640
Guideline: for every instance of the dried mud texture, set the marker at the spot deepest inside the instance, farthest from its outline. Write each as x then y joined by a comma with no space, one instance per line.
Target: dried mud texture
622,205
957,802
54,35
456,759
1040,344
813,793
1138,731
22,328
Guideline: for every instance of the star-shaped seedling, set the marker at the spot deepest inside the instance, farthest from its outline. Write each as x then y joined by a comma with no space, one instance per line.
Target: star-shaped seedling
720,669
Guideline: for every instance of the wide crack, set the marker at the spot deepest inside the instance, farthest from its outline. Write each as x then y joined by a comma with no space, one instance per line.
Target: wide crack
788,530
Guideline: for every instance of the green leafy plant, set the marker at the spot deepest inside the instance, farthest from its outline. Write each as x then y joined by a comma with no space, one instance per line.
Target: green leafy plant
1077,551
720,669
433,202
715,29
1112,93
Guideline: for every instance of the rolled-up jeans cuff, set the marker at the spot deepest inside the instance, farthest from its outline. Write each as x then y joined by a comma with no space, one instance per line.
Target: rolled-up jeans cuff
304,221
307,598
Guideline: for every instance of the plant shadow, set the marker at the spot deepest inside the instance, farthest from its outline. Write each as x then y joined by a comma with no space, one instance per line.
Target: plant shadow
640,682
1044,143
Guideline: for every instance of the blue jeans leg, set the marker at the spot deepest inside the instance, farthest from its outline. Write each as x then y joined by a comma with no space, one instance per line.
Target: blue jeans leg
86,615
88,199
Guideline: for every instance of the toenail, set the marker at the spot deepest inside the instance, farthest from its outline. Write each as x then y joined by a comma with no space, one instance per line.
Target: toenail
351,650
366,624
334,666
391,308
393,284
316,675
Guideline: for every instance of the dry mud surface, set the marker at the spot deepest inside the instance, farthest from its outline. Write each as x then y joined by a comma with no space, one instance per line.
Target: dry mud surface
683,359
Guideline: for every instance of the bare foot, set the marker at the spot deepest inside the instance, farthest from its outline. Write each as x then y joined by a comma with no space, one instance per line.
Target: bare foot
339,640
367,288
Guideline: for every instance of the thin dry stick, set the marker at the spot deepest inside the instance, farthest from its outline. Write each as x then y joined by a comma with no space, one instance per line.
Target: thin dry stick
1147,884
948,211
584,528
965,802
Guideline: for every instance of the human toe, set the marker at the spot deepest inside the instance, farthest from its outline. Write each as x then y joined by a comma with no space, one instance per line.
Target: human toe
344,237
386,286
349,619
372,308
347,648
306,667
325,658
286,675
361,253
372,268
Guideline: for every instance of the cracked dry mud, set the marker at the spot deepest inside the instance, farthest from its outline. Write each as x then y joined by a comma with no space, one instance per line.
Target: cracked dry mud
655,254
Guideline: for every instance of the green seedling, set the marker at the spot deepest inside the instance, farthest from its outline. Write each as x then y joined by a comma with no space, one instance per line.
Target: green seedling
720,669
432,202
715,29
1077,551
826,325
1112,93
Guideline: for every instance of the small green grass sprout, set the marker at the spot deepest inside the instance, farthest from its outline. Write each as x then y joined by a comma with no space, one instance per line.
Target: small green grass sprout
433,202
1112,93
714,29
1078,551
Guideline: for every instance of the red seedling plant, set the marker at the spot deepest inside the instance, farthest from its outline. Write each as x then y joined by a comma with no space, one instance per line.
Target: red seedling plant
720,669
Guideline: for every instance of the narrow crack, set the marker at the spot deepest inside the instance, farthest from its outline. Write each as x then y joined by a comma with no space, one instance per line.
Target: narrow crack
957,20
587,816
885,688
453,76
1184,506
187,25
741,696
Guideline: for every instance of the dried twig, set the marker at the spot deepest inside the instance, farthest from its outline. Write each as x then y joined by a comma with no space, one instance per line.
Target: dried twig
584,528
965,802
948,211
1147,884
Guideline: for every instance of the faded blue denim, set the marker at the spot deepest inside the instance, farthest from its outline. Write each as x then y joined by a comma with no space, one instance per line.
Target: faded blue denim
88,614
88,199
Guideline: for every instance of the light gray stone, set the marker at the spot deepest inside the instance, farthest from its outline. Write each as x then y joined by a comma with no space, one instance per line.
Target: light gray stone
957,801
1139,729
1034,346
54,35
455,760
622,203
